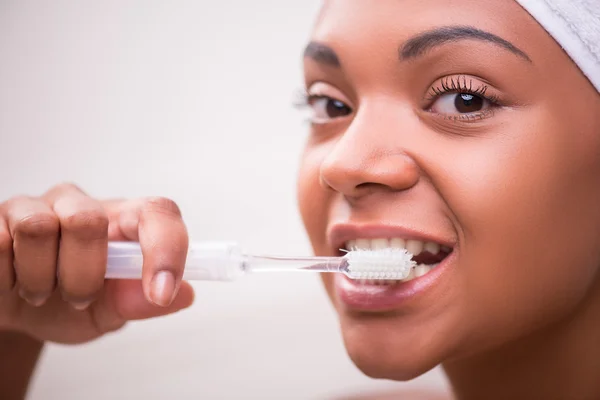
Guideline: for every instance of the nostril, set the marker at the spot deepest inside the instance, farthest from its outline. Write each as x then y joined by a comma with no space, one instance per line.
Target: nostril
366,185
367,188
354,168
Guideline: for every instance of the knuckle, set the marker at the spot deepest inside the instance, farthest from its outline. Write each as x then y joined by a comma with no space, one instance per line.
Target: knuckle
92,223
161,205
38,225
16,200
65,187
15,203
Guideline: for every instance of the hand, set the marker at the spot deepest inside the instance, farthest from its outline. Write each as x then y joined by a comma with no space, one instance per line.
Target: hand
53,252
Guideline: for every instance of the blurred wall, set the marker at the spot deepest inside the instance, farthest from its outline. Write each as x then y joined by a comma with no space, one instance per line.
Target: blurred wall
190,100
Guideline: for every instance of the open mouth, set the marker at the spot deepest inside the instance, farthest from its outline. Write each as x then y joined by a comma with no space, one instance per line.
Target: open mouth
426,254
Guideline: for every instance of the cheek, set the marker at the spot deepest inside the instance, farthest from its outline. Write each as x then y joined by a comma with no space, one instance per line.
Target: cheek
527,204
313,200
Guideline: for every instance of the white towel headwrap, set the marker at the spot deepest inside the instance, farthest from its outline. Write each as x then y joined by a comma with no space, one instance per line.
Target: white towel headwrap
575,25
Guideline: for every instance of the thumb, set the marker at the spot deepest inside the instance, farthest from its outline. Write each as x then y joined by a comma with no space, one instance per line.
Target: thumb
124,300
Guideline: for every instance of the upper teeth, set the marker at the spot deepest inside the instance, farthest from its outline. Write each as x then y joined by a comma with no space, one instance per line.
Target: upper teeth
414,247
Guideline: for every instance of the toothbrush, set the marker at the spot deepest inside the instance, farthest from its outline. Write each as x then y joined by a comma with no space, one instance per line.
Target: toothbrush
225,261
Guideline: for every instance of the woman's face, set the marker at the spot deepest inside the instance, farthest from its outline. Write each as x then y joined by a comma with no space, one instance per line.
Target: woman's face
465,125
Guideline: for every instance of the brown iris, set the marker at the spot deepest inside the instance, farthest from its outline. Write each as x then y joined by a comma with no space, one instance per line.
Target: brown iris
336,108
468,103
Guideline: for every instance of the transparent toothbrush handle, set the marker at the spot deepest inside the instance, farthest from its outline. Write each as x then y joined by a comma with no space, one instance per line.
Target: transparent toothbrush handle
206,261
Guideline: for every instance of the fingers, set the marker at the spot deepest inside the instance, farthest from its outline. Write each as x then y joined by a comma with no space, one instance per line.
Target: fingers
133,305
128,218
35,233
7,273
65,234
157,224
125,300
83,245
164,241
113,209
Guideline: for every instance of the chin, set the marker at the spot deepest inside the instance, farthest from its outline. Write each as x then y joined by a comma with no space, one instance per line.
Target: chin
383,352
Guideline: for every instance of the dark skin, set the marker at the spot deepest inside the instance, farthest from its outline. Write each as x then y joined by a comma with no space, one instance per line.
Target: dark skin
513,186
80,305
19,356
509,178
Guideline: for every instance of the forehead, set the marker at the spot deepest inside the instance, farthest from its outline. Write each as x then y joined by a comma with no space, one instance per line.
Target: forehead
375,26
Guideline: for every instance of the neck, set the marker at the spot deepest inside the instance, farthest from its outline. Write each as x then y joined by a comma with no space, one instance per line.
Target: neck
560,362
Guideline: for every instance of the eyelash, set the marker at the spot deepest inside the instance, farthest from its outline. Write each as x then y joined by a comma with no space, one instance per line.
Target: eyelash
454,84
303,98
449,84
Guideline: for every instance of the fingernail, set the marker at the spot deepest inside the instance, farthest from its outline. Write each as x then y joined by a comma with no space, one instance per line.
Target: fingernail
35,300
162,288
81,305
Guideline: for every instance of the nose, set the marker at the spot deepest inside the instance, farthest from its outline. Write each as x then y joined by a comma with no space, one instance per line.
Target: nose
363,161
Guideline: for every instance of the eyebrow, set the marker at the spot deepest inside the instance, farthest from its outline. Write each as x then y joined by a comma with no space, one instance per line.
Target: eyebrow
418,45
322,54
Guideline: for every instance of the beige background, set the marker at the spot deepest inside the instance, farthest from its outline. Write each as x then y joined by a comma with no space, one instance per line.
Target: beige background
190,100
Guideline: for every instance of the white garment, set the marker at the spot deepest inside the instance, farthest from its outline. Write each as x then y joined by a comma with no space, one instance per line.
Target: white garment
575,25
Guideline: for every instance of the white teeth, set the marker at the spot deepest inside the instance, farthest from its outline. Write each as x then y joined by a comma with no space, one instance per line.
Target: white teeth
414,246
410,276
378,261
397,243
363,244
378,244
431,247
421,270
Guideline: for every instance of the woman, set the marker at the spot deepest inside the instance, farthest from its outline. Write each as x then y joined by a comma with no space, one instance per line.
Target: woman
462,128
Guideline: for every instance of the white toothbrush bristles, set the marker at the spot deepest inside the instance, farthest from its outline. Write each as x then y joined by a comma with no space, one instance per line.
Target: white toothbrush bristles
389,263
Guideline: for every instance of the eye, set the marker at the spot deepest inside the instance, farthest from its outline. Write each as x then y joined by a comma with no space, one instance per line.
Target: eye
325,103
462,98
325,108
460,103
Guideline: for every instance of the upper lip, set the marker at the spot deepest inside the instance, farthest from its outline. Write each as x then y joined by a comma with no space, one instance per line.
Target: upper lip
339,234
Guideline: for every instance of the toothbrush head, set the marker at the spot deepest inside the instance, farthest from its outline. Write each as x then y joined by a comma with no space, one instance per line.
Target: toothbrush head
388,263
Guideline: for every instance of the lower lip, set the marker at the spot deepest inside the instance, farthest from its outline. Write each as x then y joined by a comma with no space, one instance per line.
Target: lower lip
379,298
